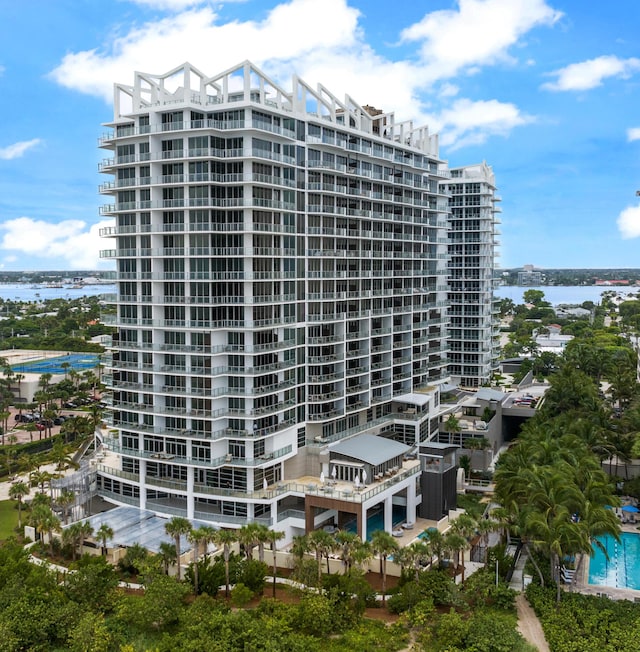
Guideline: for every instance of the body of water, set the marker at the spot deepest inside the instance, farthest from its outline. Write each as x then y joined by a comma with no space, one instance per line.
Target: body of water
622,569
557,294
29,292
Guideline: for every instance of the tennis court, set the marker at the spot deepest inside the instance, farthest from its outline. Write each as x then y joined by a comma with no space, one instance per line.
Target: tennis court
53,365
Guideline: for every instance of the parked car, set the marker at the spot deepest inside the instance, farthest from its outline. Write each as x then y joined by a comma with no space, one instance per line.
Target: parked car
40,426
70,405
58,421
24,418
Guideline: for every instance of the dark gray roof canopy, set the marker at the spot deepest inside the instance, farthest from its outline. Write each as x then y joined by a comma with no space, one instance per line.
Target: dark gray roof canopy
370,449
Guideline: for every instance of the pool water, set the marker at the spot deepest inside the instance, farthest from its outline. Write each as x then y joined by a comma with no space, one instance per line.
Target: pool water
375,520
622,570
77,361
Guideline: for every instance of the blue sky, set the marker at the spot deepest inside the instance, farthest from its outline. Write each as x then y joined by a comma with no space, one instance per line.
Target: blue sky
545,91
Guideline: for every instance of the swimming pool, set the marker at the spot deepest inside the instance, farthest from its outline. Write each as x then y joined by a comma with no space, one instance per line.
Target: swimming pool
622,570
375,520
77,361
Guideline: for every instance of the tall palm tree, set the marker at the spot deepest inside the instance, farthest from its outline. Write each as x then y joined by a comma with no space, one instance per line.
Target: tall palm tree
248,538
456,544
434,538
45,522
196,538
104,534
64,501
274,537
348,542
262,537
321,543
209,535
167,553
85,531
465,526
383,545
226,538
71,537
18,491
176,528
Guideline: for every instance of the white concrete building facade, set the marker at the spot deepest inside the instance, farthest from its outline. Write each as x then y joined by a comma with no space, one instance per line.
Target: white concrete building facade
473,312
282,272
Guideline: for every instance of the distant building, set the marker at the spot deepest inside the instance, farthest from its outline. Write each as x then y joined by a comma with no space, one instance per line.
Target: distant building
529,276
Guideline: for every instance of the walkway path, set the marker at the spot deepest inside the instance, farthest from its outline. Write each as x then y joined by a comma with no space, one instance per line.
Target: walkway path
529,625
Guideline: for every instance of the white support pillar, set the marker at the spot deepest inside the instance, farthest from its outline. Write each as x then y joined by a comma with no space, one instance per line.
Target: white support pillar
411,502
388,514
363,519
143,484
190,499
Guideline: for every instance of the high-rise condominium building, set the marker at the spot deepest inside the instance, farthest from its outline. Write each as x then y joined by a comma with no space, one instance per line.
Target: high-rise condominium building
473,329
281,309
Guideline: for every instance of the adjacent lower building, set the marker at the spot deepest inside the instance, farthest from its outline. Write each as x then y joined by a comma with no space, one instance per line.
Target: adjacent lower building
473,310
282,289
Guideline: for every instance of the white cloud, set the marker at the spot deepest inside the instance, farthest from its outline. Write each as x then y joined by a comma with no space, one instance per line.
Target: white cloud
327,47
171,5
17,149
629,222
284,35
2,70
589,74
479,32
71,240
470,123
633,133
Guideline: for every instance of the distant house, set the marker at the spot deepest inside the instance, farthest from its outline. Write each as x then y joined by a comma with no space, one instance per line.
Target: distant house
612,282
572,312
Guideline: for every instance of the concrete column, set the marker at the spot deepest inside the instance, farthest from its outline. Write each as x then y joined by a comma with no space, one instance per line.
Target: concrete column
411,502
143,484
190,499
388,514
361,520
251,512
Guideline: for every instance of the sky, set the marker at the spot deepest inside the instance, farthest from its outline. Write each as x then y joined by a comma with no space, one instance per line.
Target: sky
545,91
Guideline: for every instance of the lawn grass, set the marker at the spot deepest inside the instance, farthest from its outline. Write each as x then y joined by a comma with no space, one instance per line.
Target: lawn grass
8,518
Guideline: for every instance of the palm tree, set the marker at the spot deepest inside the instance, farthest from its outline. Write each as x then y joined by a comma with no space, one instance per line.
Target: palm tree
226,538
434,538
84,532
248,538
104,533
262,537
416,555
71,537
321,543
348,542
39,479
456,544
465,526
18,491
177,527
209,535
45,521
452,425
383,545
167,553
64,501
195,538
19,378
274,537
